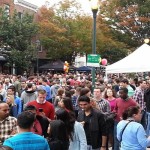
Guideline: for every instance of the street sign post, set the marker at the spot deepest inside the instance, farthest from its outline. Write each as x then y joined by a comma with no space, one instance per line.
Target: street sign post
93,60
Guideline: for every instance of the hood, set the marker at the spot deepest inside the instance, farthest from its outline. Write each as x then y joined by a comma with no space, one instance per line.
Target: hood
30,92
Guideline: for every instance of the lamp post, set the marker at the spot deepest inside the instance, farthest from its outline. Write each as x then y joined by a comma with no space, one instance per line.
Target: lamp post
37,56
94,7
146,41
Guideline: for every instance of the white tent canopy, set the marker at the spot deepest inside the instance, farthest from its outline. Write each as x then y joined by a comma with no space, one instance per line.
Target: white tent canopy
138,61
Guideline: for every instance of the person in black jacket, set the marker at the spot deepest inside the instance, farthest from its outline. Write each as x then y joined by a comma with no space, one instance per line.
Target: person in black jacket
41,123
147,104
94,124
1,97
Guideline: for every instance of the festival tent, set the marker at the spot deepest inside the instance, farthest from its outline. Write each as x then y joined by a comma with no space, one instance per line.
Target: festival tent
56,65
83,68
138,61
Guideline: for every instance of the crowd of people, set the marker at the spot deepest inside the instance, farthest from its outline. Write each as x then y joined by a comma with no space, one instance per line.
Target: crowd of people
63,112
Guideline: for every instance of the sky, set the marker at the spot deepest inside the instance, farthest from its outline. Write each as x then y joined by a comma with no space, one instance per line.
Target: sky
85,3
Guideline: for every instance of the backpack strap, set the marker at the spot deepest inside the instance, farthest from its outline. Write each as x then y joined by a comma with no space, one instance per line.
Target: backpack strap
124,129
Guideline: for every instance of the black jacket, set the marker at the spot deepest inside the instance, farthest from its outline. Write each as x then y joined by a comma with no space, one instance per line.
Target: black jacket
97,126
147,99
44,124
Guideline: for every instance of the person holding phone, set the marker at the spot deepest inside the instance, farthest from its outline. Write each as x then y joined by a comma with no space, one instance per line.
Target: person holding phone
44,108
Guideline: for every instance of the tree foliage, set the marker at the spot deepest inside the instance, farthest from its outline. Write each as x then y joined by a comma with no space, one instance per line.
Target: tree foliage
64,31
130,17
16,35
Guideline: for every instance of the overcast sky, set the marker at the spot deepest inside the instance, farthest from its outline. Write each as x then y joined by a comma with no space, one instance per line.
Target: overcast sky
85,3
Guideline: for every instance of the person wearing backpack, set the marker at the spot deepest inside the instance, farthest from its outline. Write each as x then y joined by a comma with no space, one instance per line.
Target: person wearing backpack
130,132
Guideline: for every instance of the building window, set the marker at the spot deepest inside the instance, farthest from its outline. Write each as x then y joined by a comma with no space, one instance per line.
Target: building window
20,15
7,10
40,48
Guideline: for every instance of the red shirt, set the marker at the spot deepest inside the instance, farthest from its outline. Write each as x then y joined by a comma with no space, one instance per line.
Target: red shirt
48,108
37,129
122,105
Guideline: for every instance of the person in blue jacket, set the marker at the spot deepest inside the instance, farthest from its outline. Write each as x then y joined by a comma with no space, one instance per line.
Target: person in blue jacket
16,104
134,136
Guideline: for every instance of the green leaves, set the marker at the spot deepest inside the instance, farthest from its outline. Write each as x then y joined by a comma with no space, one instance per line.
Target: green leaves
17,33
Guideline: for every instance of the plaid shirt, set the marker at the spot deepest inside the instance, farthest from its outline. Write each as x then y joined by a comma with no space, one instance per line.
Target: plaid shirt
139,97
6,127
103,105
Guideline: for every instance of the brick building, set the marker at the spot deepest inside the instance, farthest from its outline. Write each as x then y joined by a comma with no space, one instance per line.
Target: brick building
21,7
8,6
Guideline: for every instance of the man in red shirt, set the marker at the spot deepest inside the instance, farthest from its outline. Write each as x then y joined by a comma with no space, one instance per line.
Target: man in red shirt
122,103
43,107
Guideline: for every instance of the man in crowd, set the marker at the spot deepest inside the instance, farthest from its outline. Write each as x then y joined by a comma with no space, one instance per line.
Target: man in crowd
47,88
125,84
147,105
17,84
26,139
28,95
122,103
139,98
54,89
2,91
139,94
6,83
103,104
44,107
17,101
8,124
40,125
23,85
94,124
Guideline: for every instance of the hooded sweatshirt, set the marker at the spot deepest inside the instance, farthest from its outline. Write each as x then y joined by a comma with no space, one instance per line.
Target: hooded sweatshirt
28,96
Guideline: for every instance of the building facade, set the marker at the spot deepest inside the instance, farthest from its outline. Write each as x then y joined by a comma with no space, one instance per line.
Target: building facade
21,7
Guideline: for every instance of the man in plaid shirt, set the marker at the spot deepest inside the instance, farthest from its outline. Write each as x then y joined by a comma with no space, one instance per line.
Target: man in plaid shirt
139,97
8,124
103,104
139,94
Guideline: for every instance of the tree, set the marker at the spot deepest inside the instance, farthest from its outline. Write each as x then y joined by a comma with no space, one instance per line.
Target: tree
16,38
52,33
64,32
130,17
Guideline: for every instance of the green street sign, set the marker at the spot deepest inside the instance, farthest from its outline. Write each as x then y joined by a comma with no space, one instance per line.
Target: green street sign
93,60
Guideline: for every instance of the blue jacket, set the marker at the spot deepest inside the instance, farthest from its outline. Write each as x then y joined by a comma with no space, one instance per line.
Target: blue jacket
134,136
79,138
48,91
17,108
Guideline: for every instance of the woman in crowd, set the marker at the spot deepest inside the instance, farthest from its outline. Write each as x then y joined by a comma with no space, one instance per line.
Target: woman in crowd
75,130
58,98
57,137
12,105
66,103
130,132
110,96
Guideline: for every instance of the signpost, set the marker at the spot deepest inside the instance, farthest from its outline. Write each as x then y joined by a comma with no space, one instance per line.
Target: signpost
93,60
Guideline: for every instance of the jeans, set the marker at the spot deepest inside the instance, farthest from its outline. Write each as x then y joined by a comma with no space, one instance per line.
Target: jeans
116,142
148,124
144,118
